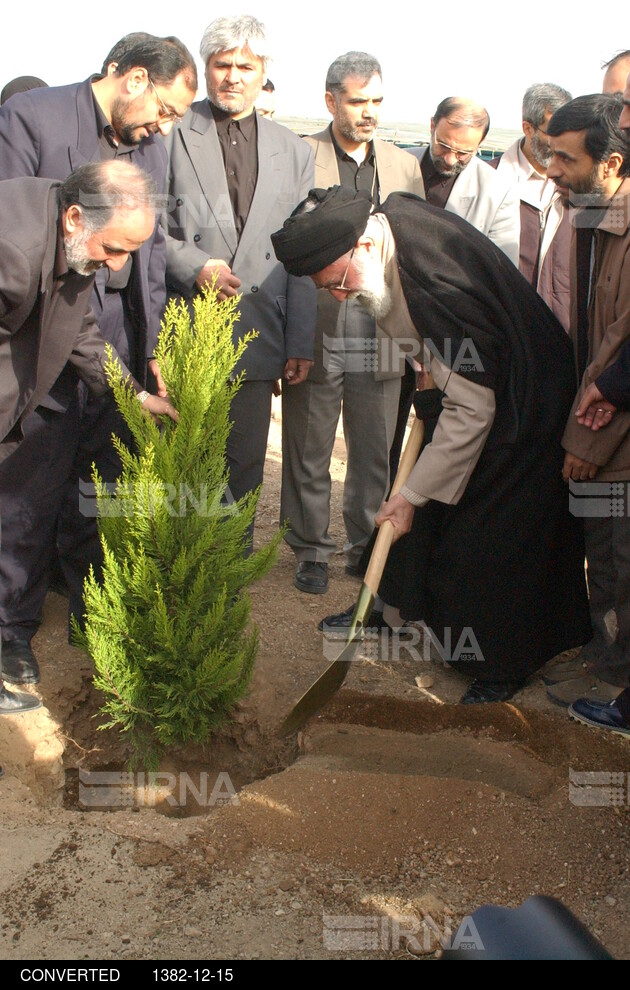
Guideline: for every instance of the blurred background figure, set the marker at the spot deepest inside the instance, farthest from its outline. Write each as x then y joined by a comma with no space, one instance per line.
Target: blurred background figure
21,84
545,229
617,71
266,102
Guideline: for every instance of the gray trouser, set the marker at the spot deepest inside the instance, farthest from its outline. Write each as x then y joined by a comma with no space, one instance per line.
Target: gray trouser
608,556
310,413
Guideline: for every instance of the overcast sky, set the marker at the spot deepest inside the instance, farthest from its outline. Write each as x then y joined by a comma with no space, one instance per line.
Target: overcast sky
427,53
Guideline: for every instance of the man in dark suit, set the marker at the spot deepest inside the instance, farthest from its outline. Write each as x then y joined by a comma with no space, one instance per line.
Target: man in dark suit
233,177
53,239
48,133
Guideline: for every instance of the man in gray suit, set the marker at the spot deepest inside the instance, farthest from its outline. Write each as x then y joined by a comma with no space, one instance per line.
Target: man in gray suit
233,178
54,238
352,368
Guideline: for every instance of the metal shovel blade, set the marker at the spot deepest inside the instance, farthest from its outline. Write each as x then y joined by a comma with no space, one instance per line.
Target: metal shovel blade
333,677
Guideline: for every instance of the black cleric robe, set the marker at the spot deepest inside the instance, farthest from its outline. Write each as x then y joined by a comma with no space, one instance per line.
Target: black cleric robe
499,576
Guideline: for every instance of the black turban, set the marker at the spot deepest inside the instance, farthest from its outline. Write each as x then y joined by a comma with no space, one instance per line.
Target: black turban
310,241
21,85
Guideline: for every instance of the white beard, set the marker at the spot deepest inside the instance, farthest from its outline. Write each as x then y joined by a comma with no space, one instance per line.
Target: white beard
376,297
378,304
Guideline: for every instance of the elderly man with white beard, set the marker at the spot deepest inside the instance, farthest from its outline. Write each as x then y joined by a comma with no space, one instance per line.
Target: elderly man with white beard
486,547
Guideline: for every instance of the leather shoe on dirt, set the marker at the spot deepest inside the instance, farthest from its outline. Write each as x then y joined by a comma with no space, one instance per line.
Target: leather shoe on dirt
353,570
484,692
599,714
14,703
311,576
19,665
589,686
340,622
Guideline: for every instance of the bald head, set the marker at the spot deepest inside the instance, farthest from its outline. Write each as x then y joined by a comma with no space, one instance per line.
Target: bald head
459,111
458,127
616,74
108,211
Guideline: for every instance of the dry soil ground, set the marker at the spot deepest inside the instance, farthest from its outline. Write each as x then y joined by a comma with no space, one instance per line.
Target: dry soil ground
395,810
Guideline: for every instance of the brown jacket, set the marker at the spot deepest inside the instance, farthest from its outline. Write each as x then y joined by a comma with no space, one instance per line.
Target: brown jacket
609,328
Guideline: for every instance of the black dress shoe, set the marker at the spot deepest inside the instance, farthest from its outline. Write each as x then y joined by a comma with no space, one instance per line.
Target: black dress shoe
19,665
482,692
312,577
341,621
600,714
353,570
12,703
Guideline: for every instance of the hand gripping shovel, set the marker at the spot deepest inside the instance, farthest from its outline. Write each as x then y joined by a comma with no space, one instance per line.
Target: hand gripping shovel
333,677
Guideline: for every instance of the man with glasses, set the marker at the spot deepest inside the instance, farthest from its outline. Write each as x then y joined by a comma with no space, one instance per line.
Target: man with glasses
233,177
48,133
457,180
545,229
352,373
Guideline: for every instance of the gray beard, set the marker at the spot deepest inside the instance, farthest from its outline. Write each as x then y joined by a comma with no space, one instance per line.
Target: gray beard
232,108
443,169
76,258
541,152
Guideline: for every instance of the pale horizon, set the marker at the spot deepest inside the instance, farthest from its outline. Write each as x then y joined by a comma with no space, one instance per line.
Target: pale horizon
469,50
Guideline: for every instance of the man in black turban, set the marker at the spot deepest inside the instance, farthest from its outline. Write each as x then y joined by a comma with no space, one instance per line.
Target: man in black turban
494,562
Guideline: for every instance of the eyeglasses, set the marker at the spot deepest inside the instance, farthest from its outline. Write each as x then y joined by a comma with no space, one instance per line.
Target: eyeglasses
461,156
166,116
536,128
342,287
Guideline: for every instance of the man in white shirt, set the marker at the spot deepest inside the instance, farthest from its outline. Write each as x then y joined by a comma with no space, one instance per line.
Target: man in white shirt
545,230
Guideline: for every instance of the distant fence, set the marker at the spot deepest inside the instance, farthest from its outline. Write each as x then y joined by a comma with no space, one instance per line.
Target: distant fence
486,153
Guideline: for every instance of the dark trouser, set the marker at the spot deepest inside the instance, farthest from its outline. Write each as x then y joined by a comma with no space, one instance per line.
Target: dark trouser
32,489
623,704
40,498
250,413
608,556
78,543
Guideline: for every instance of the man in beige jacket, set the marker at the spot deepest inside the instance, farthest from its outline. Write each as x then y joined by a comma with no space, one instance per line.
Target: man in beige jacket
591,167
352,369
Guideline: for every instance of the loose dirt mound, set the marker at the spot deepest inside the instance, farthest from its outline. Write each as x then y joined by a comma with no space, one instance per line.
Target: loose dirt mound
386,821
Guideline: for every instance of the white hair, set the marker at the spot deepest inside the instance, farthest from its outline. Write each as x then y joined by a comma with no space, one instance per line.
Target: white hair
227,33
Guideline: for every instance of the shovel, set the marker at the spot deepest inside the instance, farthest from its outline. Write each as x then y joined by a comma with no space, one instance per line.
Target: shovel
333,677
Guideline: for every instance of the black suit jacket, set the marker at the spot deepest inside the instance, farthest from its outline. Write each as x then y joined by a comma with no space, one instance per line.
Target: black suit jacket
36,339
49,133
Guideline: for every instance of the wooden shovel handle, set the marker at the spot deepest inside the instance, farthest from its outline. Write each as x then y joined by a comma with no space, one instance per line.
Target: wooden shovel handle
385,536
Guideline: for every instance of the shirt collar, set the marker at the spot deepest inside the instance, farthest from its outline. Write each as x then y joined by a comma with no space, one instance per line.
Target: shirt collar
246,125
344,154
